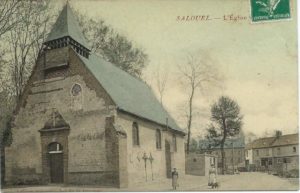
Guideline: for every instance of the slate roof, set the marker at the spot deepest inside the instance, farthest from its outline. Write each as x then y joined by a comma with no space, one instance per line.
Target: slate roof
66,25
290,139
129,93
237,143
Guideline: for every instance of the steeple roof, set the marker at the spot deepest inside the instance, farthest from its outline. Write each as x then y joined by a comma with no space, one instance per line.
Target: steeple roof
66,25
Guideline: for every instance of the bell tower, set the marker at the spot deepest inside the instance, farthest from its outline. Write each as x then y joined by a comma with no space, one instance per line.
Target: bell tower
65,32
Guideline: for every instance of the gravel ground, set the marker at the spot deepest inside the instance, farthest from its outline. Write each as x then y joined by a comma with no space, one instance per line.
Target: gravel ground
243,181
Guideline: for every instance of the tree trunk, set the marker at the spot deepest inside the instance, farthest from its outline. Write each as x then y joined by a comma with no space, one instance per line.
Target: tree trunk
222,145
190,120
223,158
2,164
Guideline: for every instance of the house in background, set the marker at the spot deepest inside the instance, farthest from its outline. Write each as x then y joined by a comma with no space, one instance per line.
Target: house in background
234,152
278,154
199,163
249,164
82,120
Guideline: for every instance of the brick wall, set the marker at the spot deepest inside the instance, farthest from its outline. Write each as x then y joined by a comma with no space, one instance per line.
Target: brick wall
92,155
87,125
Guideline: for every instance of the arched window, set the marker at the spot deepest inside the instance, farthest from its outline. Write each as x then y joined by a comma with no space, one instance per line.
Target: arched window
174,143
158,139
135,134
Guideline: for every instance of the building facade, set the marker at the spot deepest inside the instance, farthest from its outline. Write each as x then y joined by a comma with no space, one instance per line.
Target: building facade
278,154
234,153
81,120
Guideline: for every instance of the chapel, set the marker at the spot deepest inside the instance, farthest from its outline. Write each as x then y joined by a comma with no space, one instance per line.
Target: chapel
82,120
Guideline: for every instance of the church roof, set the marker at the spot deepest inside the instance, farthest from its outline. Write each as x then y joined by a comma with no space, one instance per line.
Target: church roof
237,143
129,93
66,25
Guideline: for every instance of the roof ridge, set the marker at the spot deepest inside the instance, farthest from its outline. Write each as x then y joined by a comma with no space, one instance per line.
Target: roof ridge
264,138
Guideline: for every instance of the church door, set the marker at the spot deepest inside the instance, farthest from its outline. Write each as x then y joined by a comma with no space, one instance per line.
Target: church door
56,163
168,159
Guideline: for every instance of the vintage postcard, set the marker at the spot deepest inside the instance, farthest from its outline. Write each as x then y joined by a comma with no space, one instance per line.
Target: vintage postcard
136,95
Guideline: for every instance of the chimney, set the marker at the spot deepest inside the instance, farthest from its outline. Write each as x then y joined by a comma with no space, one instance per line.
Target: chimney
278,133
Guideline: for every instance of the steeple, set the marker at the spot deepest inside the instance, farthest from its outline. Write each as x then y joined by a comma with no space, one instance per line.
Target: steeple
66,31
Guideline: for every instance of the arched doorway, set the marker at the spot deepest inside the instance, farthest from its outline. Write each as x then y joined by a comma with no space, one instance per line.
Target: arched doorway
56,164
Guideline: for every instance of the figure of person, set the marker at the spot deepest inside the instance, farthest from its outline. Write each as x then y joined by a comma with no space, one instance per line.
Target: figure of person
174,179
212,177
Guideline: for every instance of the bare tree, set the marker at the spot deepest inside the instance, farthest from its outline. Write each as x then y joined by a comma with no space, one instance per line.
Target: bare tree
23,26
25,40
197,73
161,76
112,46
8,9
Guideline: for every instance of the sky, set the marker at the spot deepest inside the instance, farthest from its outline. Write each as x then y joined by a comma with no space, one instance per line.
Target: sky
257,61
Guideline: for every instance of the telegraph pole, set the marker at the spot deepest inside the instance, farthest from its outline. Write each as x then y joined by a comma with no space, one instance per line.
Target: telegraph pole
232,159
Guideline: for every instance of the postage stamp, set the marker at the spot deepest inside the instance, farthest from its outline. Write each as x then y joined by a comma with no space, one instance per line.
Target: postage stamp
264,10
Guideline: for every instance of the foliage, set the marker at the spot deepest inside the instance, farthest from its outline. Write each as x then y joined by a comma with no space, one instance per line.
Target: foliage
193,145
226,121
112,46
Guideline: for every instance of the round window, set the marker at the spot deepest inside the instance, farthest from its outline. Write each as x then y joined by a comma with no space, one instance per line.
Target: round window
76,90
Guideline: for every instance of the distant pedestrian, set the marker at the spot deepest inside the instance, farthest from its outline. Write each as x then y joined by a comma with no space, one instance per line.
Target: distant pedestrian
212,177
174,179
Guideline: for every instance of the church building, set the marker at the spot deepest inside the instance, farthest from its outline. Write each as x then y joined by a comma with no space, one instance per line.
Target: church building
82,120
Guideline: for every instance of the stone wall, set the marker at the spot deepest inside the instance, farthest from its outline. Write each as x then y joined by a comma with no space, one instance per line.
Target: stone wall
141,170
